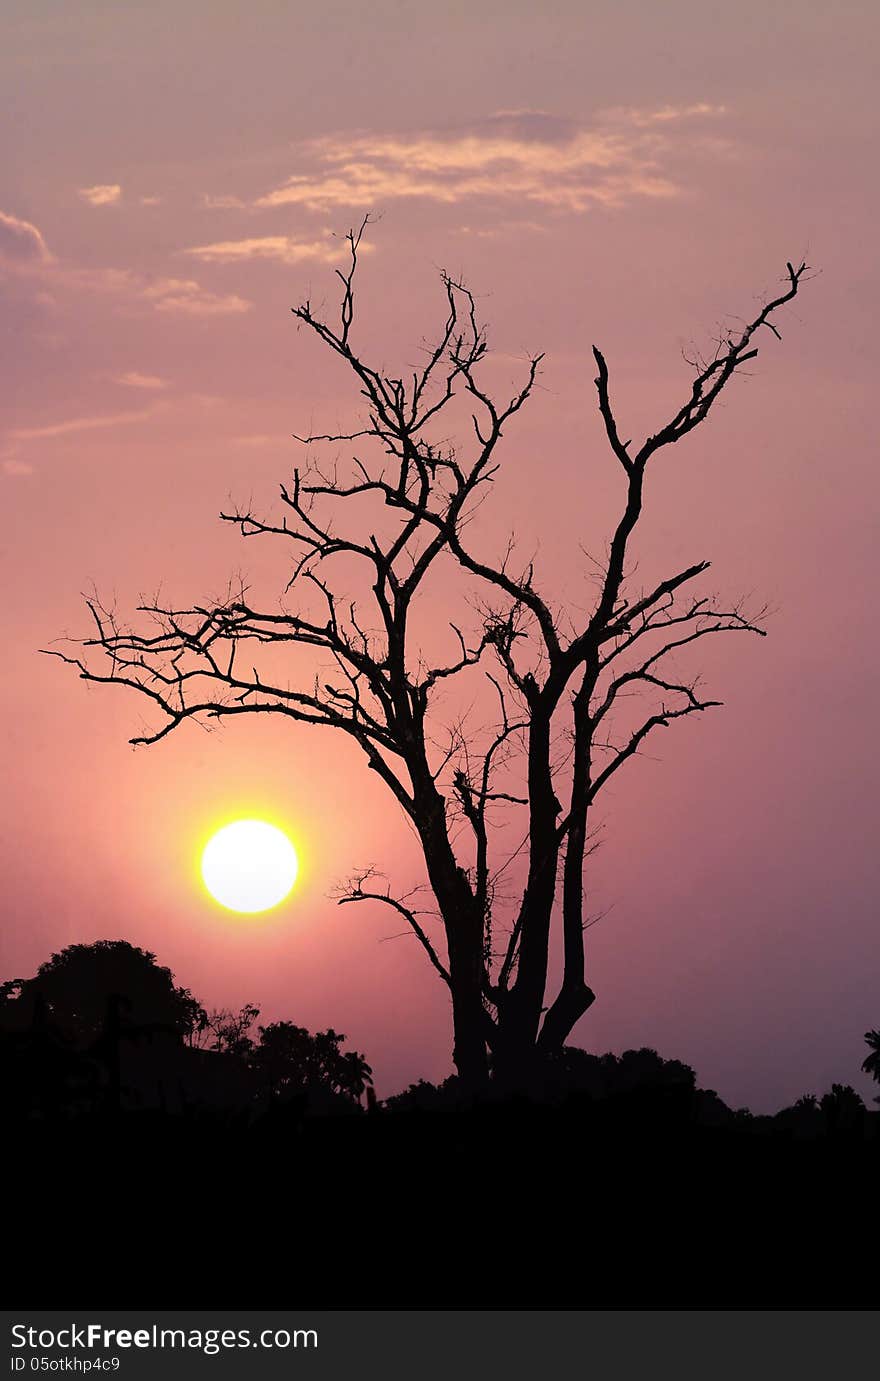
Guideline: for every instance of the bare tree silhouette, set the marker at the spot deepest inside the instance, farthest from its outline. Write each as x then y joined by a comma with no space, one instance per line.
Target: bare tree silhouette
401,513
225,1030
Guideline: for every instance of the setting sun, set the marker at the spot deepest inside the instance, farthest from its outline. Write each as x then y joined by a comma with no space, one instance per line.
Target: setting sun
249,866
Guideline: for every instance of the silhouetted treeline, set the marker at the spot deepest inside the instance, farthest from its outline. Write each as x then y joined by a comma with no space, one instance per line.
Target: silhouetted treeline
104,1028
640,1085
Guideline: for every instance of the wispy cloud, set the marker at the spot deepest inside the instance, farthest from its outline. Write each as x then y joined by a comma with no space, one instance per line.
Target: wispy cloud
182,295
255,440
72,425
18,438
527,156
103,194
134,379
21,243
504,227
284,249
186,296
669,114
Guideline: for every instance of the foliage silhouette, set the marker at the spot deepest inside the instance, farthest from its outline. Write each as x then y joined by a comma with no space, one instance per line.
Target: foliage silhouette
75,986
103,1026
288,1060
843,1110
871,1063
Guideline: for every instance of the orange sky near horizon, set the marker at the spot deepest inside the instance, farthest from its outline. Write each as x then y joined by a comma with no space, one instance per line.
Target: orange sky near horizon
630,175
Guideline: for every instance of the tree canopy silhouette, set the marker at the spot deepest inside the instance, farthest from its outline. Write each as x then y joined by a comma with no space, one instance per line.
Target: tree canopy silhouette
557,685
289,1060
79,985
871,1062
104,1025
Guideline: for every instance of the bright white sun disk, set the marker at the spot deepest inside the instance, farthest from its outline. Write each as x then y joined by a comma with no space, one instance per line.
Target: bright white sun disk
249,866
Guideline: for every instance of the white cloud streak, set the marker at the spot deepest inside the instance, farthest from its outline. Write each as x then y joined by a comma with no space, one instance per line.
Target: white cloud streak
526,156
188,298
72,425
283,249
21,243
103,194
134,379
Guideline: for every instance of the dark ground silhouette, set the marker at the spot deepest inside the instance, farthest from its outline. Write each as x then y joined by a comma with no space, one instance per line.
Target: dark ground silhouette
163,1156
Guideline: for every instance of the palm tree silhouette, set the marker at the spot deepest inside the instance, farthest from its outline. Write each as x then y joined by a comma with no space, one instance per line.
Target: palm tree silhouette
871,1063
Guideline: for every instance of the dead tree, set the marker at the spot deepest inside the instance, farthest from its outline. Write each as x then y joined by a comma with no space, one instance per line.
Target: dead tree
399,511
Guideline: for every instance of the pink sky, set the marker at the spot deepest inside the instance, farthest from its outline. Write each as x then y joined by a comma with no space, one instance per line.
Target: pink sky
623,173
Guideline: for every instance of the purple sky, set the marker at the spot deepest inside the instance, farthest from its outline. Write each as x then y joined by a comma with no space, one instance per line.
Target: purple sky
623,173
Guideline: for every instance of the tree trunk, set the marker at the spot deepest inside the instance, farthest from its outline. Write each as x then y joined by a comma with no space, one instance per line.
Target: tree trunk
469,1019
464,939
520,1012
563,1016
574,996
